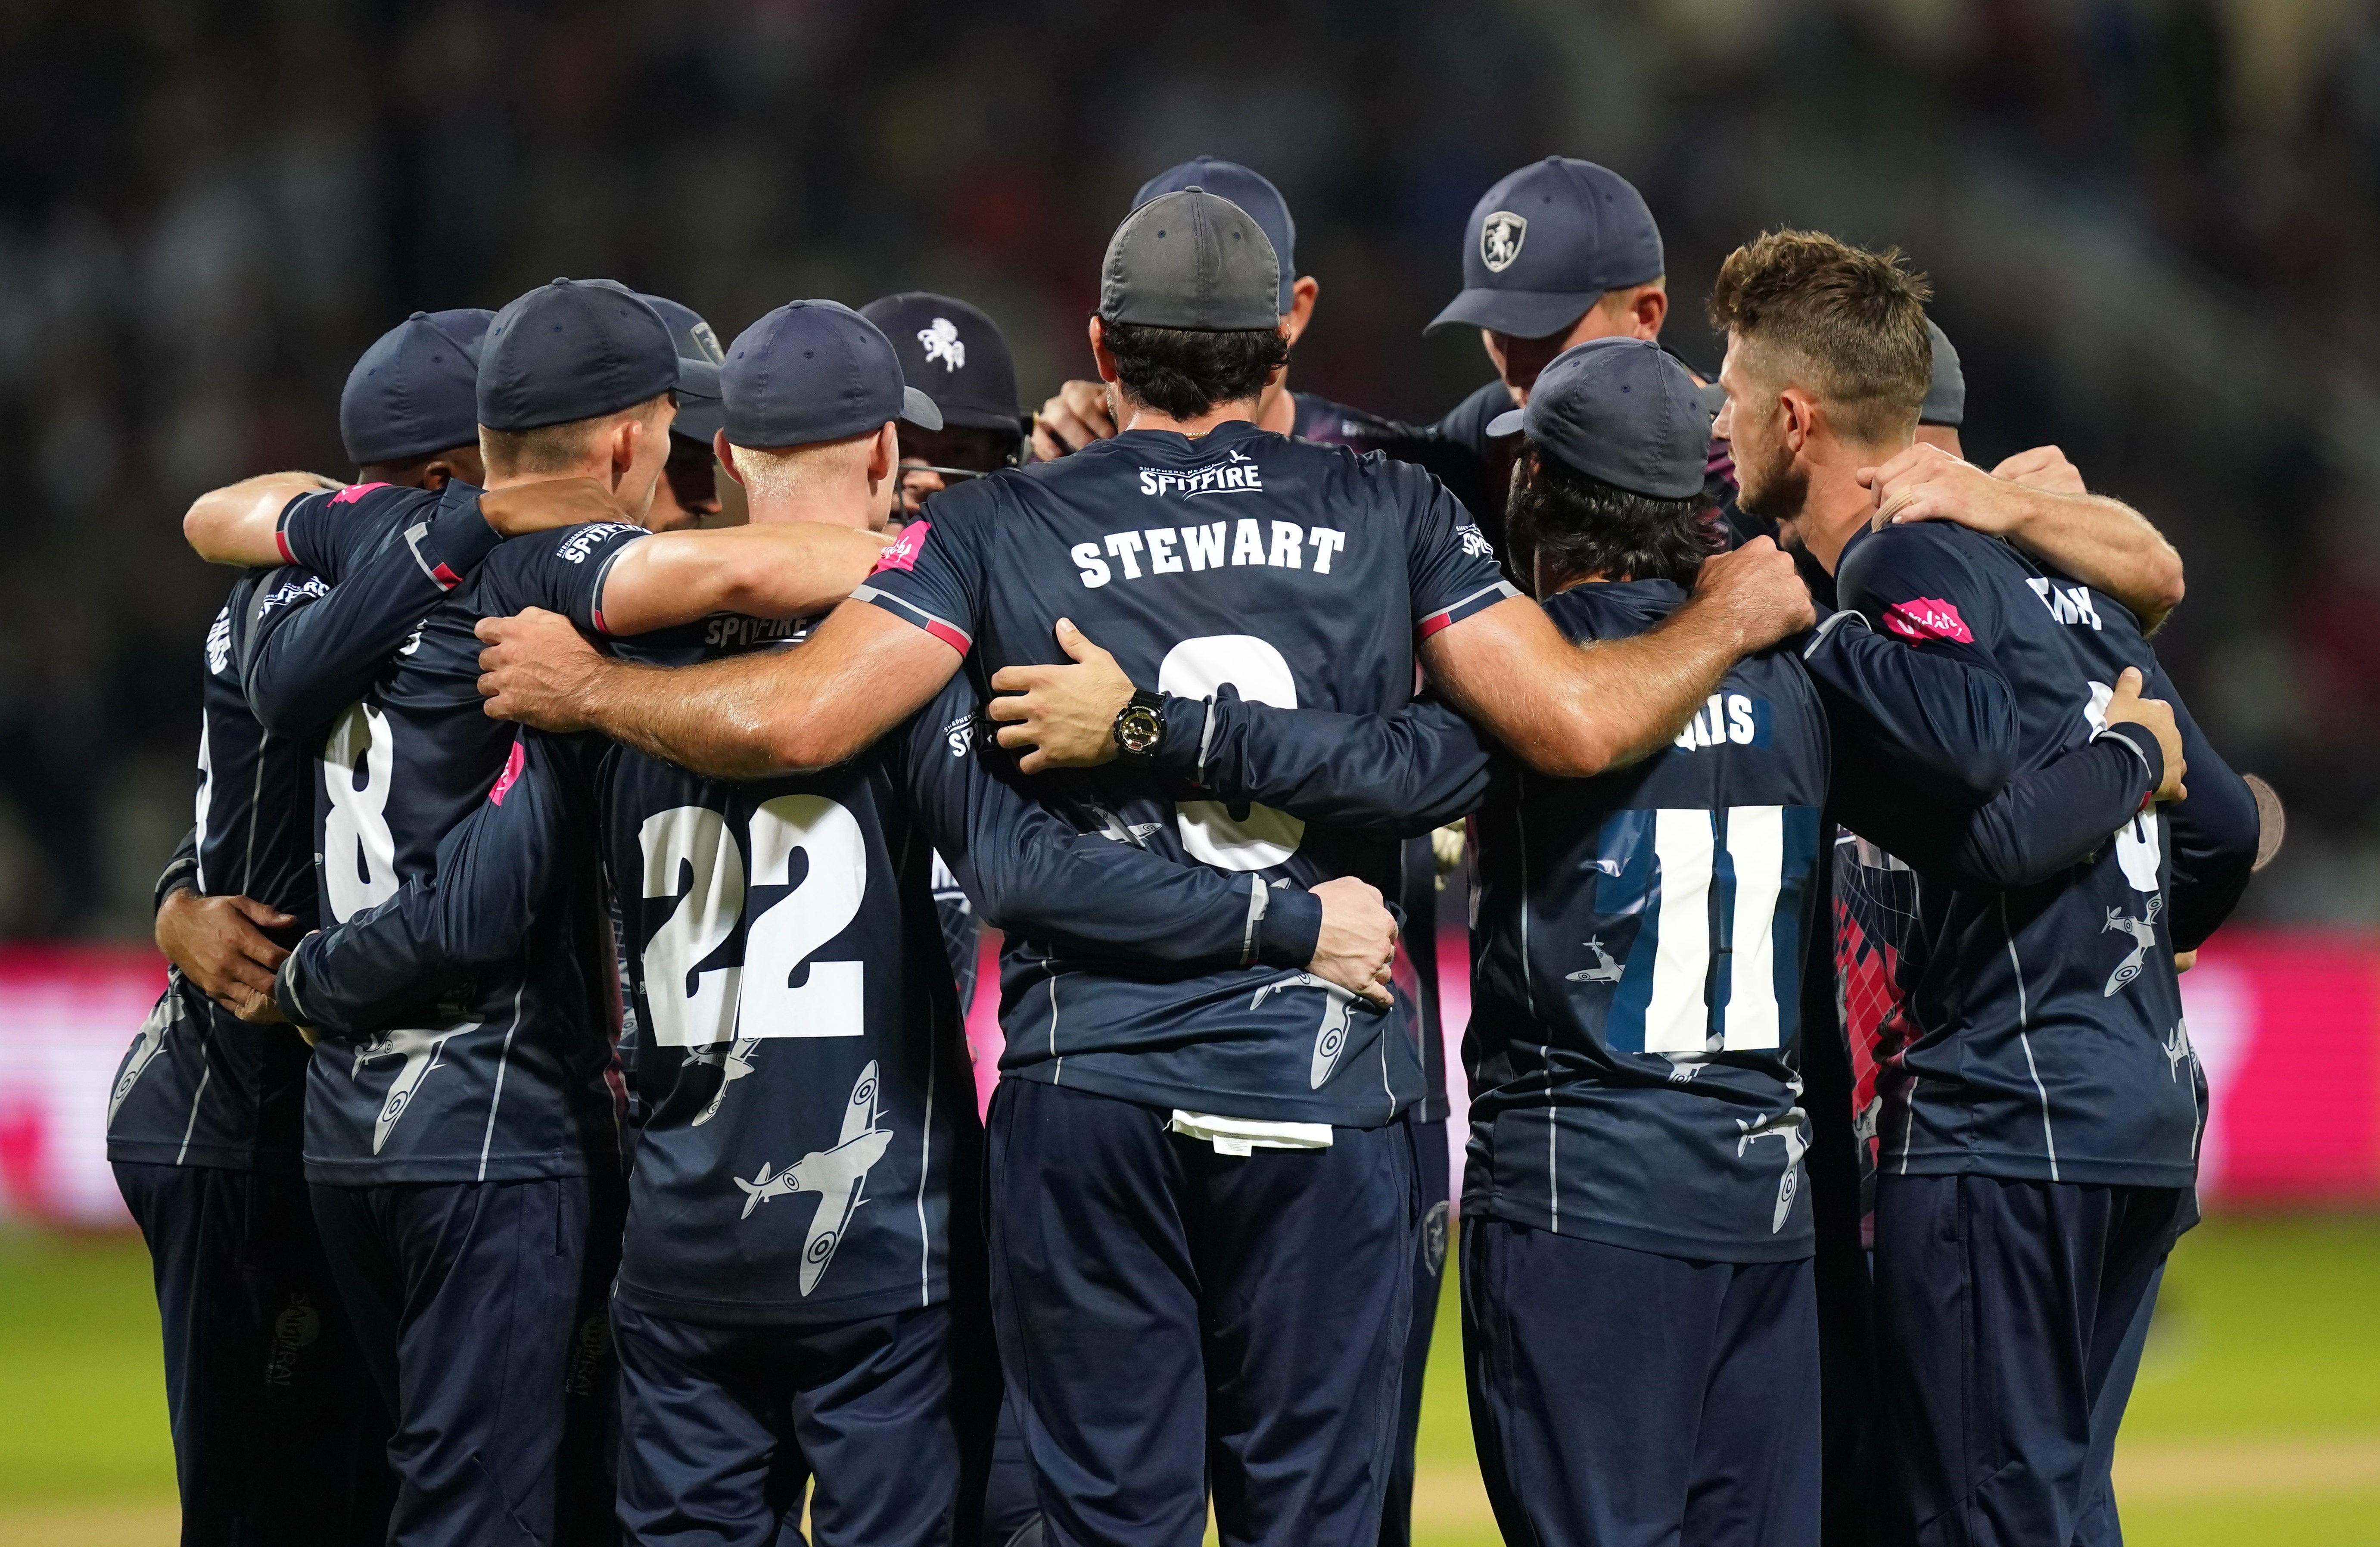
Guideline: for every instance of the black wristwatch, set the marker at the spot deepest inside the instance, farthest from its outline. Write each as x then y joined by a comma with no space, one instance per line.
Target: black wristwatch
1140,724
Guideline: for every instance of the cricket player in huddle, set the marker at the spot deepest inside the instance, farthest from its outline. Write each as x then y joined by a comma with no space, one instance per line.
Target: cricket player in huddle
1208,1158
1272,1105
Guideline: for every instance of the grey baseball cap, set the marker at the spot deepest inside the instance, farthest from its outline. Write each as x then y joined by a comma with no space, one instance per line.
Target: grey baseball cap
1622,410
1546,243
1946,394
1193,261
1251,190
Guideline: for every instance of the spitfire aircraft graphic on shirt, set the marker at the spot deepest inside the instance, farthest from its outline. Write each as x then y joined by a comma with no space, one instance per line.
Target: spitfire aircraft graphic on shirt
1338,1018
145,1048
735,1060
838,1175
421,1051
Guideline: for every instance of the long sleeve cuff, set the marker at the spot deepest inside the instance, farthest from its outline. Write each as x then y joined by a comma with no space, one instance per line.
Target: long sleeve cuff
1289,927
180,874
1182,751
2145,747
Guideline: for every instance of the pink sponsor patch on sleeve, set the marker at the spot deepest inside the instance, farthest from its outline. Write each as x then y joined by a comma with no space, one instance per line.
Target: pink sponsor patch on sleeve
510,775
1928,617
354,492
904,553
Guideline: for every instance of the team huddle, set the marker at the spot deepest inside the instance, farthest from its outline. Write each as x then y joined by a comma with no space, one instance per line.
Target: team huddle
559,1124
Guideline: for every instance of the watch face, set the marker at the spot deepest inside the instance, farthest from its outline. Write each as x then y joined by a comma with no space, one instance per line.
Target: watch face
1137,728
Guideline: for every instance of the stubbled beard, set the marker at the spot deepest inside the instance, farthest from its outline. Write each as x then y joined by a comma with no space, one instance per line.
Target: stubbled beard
1776,496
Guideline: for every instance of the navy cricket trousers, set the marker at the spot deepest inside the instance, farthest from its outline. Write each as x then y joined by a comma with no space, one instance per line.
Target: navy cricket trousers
1622,1398
2010,1322
279,1439
1167,1315
721,1426
480,1306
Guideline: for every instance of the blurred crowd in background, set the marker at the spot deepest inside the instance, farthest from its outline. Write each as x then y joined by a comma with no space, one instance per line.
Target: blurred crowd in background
2153,228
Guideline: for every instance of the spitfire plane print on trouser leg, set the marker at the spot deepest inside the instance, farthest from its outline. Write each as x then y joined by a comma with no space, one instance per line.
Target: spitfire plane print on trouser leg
838,1175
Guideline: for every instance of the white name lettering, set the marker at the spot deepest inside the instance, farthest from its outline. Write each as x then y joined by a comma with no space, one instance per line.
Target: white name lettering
1195,550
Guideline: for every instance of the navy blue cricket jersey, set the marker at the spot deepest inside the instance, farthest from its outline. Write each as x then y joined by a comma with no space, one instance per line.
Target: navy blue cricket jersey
811,1146
517,1080
1637,939
198,1086
2037,1033
1300,573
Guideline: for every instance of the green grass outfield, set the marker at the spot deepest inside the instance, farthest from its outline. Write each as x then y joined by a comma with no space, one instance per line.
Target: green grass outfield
2256,1420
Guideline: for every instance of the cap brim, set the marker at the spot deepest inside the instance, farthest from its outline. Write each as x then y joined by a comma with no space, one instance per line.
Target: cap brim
1522,313
1713,397
959,415
1506,423
698,419
919,410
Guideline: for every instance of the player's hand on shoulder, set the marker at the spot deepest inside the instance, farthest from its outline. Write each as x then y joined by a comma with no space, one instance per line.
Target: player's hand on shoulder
1066,714
1927,483
1358,939
538,670
1759,586
219,945
2045,467
1072,419
549,504
2128,708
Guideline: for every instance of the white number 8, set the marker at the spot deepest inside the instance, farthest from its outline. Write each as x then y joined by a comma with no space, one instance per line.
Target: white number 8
358,851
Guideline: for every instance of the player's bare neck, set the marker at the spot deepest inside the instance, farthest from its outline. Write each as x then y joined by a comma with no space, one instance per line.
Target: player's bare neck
827,508
1145,418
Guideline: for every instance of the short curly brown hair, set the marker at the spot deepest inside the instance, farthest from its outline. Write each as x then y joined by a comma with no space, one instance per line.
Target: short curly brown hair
1847,323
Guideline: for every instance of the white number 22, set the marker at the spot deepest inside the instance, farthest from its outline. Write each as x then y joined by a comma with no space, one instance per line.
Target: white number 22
759,998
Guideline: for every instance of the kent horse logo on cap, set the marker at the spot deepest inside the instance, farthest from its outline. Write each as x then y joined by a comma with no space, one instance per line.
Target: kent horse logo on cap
1501,236
943,343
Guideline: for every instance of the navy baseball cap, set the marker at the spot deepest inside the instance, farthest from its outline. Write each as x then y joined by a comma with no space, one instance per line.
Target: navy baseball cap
1252,191
815,371
1946,394
700,410
570,350
1193,261
416,390
956,356
1546,243
1620,409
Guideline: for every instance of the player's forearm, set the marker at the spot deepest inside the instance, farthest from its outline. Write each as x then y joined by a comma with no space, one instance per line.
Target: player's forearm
1084,894
238,524
2054,816
1404,774
1620,701
314,657
792,570
2107,544
749,717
